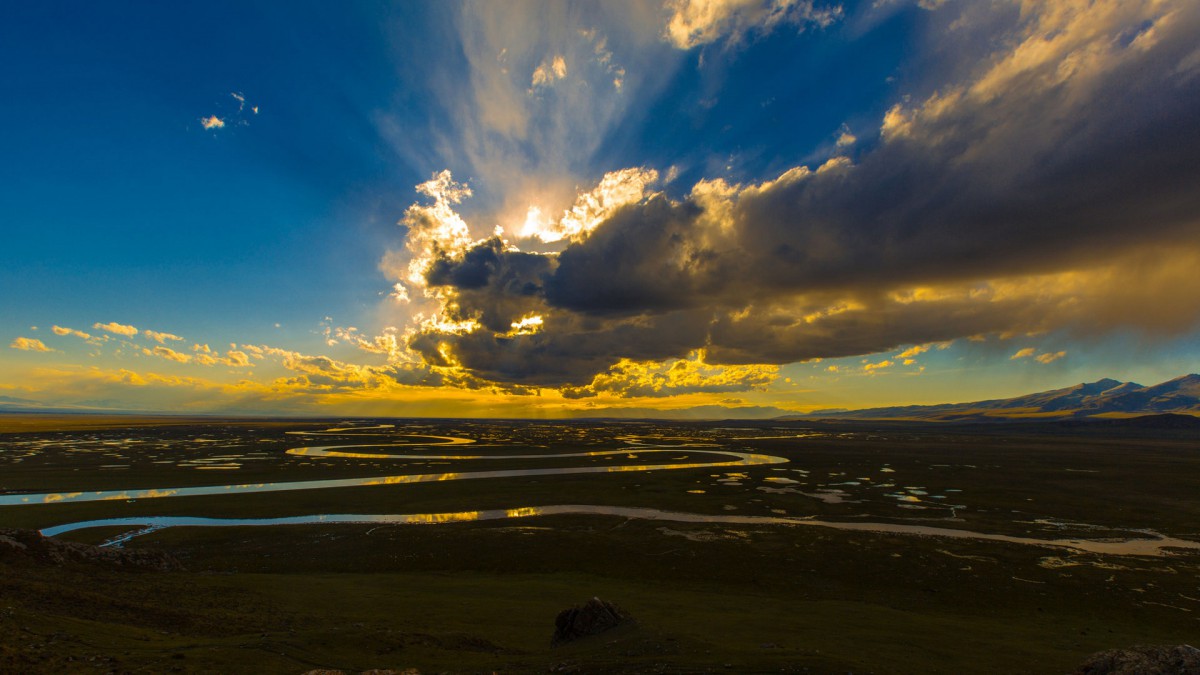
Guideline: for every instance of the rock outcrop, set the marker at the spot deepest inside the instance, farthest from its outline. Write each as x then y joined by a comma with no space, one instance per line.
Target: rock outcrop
1144,660
30,546
591,618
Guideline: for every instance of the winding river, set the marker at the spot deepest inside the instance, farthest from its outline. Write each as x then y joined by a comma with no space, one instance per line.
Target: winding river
740,459
1140,547
1155,545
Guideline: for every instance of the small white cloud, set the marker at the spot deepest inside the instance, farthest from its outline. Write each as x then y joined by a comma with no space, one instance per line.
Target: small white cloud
549,72
29,345
1049,357
1023,354
227,117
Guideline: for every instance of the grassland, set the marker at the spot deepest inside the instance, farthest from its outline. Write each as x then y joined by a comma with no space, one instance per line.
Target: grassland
481,597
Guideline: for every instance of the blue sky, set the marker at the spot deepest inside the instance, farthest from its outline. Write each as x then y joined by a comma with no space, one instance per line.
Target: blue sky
696,202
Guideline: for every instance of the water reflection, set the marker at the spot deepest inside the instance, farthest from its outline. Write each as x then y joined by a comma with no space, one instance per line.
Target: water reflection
1155,546
739,459
437,440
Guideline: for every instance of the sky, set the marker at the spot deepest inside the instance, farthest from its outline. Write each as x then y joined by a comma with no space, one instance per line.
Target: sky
550,209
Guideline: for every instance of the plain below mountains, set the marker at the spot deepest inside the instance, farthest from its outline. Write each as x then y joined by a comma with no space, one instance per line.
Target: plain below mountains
1106,398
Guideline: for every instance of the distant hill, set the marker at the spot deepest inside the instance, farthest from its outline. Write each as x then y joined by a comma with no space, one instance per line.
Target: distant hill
1103,398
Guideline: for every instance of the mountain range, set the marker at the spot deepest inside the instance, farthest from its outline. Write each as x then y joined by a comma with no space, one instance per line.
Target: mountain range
1103,398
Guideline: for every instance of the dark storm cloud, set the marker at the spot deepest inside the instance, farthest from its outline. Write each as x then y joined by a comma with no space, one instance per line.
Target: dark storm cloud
570,350
492,285
1030,180
634,262
1028,166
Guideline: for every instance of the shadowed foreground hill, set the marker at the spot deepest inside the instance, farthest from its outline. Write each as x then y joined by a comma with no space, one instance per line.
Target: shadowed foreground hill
1103,398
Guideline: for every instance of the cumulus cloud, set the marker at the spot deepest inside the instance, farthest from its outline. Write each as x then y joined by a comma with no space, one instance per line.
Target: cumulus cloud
436,230
168,353
116,328
1023,354
1048,184
692,23
385,343
677,376
616,189
254,351
322,373
161,338
60,330
237,359
205,359
29,345
399,292
212,122
1050,357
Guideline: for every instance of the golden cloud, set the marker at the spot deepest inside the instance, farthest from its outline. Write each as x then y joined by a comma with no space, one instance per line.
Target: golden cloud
698,22
674,377
29,345
159,337
549,71
168,353
59,330
116,328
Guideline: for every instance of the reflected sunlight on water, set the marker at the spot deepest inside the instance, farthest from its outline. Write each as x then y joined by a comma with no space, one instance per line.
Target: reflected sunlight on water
1154,546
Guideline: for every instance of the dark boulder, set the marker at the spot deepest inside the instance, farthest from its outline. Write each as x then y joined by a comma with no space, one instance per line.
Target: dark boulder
30,547
1144,660
591,618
